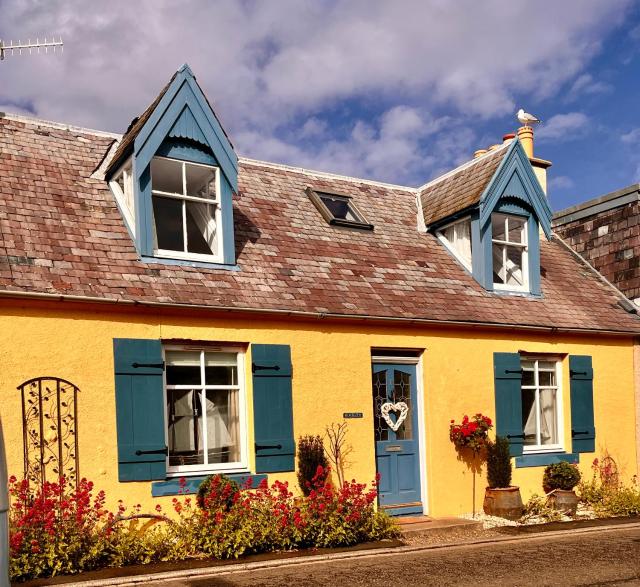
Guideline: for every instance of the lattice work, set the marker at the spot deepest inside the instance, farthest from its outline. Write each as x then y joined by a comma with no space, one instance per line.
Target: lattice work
379,398
49,429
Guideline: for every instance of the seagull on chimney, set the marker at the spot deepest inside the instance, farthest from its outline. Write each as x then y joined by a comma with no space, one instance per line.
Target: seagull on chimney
527,119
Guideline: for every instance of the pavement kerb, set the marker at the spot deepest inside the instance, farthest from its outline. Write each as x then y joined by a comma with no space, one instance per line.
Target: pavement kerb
203,573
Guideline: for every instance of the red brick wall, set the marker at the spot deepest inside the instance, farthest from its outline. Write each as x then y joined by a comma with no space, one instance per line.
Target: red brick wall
610,241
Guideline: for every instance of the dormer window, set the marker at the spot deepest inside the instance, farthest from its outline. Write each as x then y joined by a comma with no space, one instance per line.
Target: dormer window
338,209
457,238
186,209
509,252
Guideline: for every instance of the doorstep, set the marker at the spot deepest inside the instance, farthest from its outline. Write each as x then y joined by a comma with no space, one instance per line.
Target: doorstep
411,526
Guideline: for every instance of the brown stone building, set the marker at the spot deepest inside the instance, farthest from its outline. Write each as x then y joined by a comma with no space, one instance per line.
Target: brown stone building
606,232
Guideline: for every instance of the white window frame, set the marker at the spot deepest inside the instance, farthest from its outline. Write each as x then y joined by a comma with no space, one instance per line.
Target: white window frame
240,466
129,212
451,246
183,197
546,448
525,253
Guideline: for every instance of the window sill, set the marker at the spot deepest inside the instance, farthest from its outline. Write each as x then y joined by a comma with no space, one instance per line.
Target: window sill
191,484
543,459
189,263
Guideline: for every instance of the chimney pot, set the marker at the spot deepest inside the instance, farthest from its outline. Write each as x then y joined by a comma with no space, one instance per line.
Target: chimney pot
506,139
525,134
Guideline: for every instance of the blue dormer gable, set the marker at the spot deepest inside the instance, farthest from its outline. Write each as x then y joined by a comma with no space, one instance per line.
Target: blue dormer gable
515,180
184,171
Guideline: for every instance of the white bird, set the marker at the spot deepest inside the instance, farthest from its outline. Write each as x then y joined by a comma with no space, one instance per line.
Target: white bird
526,118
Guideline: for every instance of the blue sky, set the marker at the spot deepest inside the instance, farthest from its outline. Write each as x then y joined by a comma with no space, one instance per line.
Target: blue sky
396,91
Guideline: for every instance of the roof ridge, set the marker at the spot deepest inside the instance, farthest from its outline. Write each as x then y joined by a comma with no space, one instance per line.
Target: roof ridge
462,167
58,125
326,174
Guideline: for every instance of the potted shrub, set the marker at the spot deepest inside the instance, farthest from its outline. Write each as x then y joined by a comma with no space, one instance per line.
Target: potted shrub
501,498
558,483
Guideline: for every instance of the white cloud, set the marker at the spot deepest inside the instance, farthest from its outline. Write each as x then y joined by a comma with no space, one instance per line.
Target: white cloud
563,127
434,67
585,84
632,137
561,182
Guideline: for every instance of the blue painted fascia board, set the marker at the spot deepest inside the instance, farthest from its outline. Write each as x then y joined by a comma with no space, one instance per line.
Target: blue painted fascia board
516,161
155,131
190,485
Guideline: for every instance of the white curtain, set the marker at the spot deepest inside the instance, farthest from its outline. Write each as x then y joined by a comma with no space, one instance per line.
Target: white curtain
204,217
547,418
463,240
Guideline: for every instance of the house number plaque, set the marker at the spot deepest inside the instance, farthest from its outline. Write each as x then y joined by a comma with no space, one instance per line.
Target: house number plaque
352,415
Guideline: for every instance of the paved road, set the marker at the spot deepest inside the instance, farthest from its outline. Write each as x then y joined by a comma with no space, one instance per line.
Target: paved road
597,558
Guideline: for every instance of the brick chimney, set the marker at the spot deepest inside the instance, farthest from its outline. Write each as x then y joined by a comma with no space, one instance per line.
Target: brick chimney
540,166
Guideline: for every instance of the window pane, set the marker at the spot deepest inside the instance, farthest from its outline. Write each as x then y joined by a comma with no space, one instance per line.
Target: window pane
166,175
514,266
516,229
548,417
201,228
528,376
201,181
167,213
185,428
339,207
402,393
183,368
498,264
221,369
498,227
223,425
547,378
529,416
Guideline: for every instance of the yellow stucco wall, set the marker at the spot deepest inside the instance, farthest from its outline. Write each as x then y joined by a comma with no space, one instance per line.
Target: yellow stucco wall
332,375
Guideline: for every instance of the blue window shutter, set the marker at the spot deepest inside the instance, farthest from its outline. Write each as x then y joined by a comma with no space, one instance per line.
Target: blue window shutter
508,379
140,409
583,431
272,408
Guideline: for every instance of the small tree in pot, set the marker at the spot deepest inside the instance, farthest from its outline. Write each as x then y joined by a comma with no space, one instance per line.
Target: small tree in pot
558,482
501,498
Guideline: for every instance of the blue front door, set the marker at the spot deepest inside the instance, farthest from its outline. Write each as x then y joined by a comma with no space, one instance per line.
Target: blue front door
397,451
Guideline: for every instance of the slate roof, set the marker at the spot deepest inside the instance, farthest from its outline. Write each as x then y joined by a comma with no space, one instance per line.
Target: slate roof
61,233
461,188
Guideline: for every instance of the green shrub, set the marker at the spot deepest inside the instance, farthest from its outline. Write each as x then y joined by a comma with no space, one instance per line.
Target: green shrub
498,463
311,455
606,494
560,475
217,492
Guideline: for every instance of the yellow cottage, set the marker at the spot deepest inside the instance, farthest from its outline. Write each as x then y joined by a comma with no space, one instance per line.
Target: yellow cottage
169,310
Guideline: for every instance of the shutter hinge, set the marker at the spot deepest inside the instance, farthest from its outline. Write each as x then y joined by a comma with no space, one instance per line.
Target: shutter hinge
572,373
255,367
149,365
159,451
268,446
520,371
515,436
576,432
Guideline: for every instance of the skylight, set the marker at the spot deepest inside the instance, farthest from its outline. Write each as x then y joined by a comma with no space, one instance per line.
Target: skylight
338,209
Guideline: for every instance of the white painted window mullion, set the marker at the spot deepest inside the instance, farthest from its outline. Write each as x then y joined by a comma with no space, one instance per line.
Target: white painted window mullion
203,409
536,379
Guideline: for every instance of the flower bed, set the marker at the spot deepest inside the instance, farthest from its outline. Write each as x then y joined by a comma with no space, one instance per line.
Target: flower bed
60,529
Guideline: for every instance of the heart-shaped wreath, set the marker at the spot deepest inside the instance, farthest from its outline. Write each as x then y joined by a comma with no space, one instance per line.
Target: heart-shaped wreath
400,407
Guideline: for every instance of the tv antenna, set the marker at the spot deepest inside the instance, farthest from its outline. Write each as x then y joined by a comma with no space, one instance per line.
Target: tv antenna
30,46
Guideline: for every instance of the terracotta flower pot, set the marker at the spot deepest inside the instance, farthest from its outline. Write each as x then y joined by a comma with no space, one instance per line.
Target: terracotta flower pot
503,502
564,501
